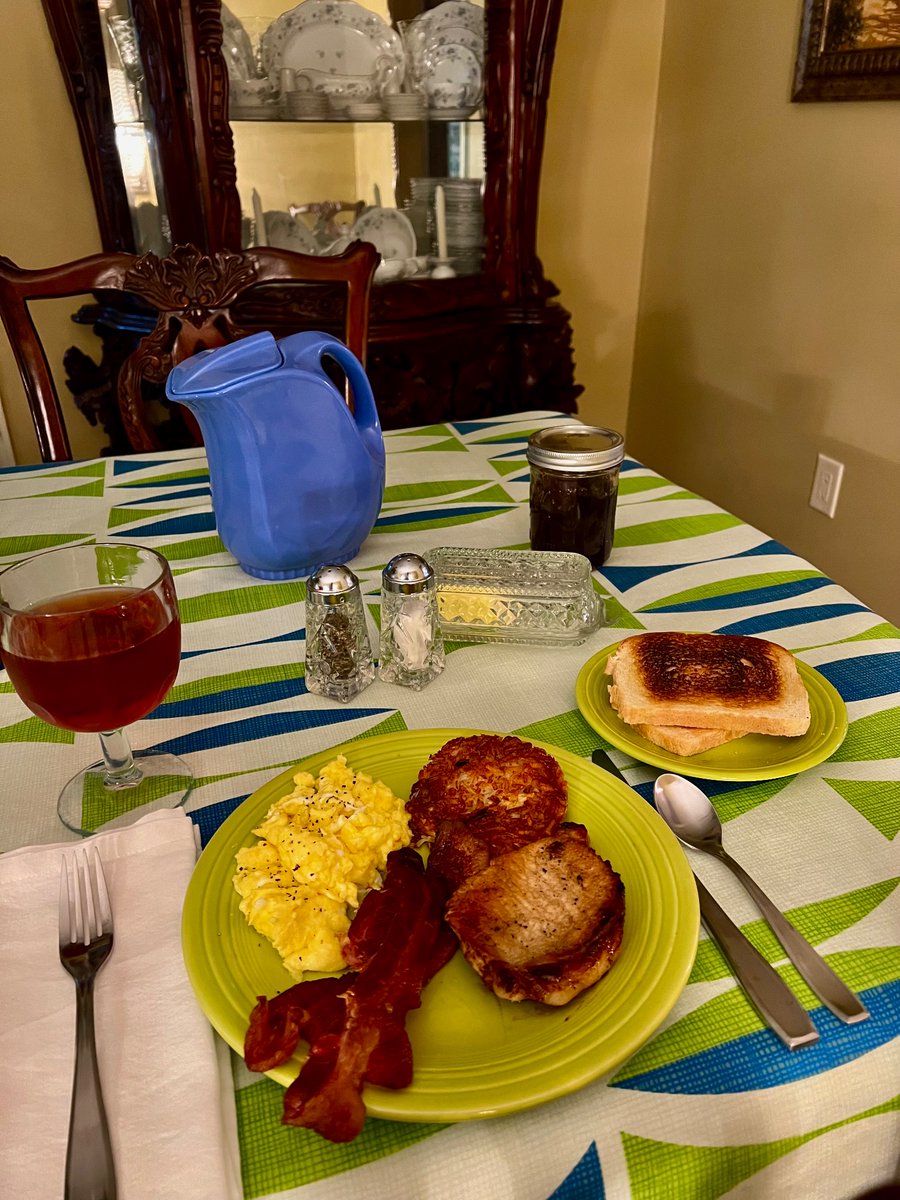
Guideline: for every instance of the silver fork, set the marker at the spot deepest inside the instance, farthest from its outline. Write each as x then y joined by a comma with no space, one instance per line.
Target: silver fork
85,942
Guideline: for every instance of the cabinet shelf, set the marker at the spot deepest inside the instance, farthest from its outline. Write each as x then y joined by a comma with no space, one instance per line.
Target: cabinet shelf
283,119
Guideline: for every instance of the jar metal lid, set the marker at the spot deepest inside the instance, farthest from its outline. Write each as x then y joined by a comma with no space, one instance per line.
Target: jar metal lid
582,449
407,573
331,584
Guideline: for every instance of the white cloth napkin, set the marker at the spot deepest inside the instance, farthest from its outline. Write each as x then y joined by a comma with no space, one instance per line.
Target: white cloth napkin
166,1076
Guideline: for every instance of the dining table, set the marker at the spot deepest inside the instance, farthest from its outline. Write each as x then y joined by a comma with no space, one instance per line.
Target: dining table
698,1099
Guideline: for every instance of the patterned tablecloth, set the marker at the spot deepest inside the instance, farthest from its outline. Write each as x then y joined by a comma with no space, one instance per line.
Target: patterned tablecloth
713,1104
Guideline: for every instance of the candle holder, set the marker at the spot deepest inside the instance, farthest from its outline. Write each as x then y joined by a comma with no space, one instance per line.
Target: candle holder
442,269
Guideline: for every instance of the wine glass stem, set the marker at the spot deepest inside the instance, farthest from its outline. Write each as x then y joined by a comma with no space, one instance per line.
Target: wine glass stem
121,771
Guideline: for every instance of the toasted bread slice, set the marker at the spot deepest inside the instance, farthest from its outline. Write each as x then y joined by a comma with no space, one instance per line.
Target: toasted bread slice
685,741
708,681
542,922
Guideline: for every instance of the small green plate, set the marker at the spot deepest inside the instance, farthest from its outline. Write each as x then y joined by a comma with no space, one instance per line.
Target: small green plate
752,757
474,1055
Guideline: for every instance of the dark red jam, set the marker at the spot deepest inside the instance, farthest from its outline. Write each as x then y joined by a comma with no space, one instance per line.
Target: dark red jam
574,488
574,512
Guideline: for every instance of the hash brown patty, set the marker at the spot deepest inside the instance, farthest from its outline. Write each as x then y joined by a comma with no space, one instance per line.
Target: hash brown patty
506,791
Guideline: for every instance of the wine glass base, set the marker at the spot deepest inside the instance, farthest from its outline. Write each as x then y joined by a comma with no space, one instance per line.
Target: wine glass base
86,804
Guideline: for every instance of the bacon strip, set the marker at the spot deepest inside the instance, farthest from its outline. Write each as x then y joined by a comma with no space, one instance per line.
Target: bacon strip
356,1024
308,1010
371,924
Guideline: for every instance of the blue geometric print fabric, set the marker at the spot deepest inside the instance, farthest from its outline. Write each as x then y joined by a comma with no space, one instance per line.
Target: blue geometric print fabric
756,1061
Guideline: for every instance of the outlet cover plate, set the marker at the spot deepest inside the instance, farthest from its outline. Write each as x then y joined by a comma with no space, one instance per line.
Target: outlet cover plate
826,485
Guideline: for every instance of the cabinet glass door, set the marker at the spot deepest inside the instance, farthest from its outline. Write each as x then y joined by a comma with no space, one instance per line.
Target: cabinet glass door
346,121
134,133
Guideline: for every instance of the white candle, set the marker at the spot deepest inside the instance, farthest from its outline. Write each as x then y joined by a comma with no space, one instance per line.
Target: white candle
440,210
259,218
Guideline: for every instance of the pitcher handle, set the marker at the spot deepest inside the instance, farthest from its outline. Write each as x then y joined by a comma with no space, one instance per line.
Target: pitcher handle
307,350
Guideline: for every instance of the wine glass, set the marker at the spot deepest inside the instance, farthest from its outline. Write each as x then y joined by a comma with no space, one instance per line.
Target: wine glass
91,639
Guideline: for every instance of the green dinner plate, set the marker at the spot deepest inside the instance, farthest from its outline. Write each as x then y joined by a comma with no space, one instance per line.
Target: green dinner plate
752,757
474,1055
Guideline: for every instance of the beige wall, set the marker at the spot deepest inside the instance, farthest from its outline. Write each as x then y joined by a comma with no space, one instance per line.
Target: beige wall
595,185
46,211
765,286
769,326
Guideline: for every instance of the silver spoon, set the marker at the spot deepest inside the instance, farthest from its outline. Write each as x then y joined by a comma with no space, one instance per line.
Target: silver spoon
765,989
691,817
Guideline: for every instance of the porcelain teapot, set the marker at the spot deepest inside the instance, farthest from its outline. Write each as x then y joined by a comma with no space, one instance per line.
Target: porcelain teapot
297,478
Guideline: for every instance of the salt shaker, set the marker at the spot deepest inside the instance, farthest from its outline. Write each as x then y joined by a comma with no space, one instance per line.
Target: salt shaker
412,645
338,652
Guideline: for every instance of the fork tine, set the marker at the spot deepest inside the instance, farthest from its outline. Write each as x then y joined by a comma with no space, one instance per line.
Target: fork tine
84,908
65,907
89,928
104,909
77,907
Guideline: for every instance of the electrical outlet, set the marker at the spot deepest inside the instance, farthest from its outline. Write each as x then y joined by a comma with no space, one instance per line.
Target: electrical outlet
826,485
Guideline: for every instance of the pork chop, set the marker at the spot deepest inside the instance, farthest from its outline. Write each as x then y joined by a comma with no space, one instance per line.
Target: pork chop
541,922
456,853
506,791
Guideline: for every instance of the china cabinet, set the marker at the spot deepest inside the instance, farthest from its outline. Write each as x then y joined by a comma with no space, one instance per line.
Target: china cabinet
201,123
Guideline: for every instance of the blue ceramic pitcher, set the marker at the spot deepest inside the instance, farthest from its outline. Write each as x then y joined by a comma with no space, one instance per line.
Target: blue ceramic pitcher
297,478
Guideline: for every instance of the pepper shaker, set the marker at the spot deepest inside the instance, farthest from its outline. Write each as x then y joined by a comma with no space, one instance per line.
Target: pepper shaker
338,652
412,645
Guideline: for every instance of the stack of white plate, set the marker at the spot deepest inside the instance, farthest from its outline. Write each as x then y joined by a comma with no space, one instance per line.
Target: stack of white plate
465,224
365,110
464,195
464,217
405,106
422,187
252,112
306,106
421,210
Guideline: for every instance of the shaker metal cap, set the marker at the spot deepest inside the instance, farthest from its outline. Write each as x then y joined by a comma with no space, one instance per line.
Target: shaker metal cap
406,573
331,584
578,448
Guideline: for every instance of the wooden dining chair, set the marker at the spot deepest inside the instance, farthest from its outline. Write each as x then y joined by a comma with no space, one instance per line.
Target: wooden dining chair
193,294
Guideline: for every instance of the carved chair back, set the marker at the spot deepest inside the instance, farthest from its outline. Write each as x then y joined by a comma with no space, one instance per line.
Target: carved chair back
193,294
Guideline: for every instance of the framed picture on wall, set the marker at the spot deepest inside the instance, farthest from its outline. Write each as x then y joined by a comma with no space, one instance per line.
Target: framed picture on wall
848,50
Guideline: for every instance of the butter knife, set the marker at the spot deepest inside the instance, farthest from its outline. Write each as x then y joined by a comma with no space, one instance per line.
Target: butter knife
766,990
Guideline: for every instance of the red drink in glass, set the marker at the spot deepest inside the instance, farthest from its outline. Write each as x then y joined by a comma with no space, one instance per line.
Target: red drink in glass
94,660
91,640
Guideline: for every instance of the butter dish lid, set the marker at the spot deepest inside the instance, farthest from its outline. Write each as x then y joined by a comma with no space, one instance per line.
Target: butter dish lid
540,597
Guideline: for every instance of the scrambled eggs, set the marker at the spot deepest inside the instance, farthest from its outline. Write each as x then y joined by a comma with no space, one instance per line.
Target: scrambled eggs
320,849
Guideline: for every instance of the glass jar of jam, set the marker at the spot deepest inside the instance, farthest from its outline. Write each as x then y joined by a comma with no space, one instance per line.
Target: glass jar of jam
574,487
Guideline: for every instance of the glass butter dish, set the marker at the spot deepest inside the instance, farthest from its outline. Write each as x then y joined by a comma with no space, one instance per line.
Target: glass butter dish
542,597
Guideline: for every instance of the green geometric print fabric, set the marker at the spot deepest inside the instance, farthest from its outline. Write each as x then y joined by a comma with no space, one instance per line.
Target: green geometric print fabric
712,1105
